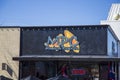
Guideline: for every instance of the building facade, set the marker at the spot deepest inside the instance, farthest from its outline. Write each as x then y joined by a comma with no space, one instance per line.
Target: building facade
9,47
73,52
90,52
114,21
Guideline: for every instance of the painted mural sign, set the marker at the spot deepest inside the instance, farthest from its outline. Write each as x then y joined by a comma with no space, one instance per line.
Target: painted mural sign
67,42
64,41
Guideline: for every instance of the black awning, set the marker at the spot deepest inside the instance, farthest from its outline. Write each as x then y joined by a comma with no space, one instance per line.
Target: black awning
69,58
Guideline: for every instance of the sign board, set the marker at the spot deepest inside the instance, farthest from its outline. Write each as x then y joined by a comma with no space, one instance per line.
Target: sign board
63,41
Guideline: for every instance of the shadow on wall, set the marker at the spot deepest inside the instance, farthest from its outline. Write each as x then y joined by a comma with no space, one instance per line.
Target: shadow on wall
7,68
4,78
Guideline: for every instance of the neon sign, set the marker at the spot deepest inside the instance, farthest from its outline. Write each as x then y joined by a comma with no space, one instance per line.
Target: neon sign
66,42
78,72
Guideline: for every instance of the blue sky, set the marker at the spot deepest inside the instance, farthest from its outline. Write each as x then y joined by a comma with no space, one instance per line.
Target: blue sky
53,12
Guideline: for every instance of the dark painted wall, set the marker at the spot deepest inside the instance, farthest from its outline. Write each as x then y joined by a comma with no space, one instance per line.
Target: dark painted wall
91,40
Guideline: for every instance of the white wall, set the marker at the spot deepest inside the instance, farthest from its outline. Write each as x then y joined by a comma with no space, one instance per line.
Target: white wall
115,25
9,47
112,21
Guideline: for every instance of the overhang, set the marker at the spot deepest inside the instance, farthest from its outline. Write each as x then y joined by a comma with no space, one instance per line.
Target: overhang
66,58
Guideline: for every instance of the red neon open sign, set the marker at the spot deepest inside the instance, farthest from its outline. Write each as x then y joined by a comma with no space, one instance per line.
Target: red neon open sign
78,72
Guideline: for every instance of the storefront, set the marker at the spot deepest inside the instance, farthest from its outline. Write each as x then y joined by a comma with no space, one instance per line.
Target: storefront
73,52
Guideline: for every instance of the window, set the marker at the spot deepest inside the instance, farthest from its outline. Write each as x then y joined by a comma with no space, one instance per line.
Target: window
4,67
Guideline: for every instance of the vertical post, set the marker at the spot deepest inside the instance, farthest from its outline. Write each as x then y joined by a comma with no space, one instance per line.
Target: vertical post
20,70
116,71
56,68
118,62
119,71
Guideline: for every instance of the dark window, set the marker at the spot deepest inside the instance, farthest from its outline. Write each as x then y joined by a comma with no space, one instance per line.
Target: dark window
7,68
3,66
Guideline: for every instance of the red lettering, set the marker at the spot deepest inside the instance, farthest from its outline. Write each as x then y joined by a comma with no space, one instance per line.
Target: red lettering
78,72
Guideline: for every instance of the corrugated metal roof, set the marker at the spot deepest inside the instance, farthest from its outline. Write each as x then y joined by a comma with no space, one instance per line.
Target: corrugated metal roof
114,12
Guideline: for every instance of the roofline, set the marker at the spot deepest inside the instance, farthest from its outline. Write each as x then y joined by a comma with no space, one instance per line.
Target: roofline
103,25
51,26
